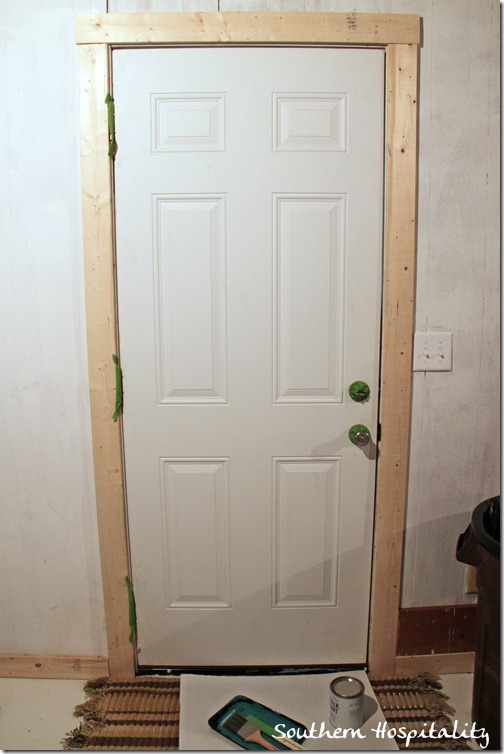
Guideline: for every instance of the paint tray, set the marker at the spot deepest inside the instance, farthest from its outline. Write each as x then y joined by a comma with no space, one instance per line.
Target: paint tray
264,716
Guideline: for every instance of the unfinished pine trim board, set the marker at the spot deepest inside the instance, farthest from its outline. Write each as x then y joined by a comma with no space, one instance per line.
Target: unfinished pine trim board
400,36
53,666
97,215
396,351
247,28
452,662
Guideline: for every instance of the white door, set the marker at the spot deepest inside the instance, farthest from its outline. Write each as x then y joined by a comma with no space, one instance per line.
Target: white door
249,237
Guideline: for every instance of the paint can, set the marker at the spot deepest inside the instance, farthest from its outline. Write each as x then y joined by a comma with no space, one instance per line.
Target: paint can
347,702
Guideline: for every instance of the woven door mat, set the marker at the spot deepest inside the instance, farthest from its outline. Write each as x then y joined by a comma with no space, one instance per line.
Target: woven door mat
418,707
144,714
128,715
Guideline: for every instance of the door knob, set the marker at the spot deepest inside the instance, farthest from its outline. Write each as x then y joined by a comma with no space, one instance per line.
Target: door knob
359,391
359,435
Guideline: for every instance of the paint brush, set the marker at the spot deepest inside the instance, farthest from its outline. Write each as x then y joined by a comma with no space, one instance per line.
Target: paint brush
247,731
289,743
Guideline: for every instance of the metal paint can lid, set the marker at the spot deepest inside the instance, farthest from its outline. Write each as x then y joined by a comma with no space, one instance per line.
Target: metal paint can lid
347,687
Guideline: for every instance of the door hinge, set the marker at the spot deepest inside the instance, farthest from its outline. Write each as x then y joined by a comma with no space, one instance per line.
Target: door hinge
132,610
378,432
118,408
111,126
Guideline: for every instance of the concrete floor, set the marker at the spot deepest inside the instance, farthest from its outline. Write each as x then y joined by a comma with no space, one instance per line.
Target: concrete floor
36,714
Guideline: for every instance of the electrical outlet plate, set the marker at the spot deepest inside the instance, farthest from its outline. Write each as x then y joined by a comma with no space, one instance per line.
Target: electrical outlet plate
433,352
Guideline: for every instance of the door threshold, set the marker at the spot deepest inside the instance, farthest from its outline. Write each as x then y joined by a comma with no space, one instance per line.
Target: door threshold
247,670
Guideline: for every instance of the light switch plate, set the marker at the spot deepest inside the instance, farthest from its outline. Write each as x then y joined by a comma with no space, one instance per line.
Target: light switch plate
433,352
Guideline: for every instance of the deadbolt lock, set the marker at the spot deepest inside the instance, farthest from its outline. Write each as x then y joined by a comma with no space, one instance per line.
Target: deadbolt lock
359,391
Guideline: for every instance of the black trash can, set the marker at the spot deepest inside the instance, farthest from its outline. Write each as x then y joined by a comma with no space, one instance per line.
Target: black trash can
479,546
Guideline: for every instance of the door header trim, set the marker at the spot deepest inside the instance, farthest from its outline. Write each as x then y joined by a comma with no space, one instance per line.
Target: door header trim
120,29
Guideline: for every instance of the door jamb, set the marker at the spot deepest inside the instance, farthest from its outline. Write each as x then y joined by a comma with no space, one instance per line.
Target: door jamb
400,36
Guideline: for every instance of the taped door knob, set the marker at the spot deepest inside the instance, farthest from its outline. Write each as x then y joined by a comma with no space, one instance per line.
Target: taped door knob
359,435
359,391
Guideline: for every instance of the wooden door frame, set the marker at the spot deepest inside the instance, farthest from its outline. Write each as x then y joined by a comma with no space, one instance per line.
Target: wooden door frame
400,37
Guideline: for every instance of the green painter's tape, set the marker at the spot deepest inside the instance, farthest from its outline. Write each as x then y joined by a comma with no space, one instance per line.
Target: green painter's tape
132,610
111,126
119,389
359,391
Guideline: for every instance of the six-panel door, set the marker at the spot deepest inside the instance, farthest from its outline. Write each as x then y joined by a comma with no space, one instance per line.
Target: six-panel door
249,238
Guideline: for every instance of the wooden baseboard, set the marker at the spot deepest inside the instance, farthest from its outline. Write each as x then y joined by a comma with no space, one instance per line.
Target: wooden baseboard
438,630
86,668
452,662
53,666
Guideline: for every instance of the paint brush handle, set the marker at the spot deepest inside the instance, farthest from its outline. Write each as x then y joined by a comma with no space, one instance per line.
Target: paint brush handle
290,744
257,738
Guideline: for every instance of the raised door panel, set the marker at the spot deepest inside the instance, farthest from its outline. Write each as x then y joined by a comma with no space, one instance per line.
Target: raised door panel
309,252
306,559
190,267
195,502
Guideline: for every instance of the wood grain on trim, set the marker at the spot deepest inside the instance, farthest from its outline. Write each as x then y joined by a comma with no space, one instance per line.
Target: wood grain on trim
397,337
99,272
247,28
53,666
454,662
